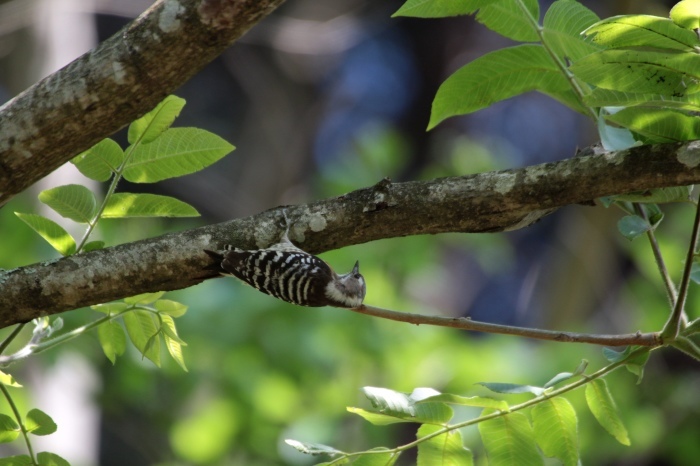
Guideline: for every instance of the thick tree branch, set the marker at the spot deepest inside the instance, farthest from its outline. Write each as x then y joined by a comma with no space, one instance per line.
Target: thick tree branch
486,202
112,85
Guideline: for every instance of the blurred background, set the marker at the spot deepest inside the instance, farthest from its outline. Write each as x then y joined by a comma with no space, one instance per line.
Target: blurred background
321,98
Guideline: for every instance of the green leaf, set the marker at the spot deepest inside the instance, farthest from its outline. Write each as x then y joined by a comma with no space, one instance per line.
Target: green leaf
313,448
154,123
555,426
563,24
685,14
498,76
112,340
172,341
642,31
688,346
476,401
143,334
71,201
440,8
693,327
403,406
100,161
506,18
509,438
20,460
560,377
604,409
378,419
8,381
172,308
9,429
39,423
673,74
607,98
443,450
93,246
377,459
51,459
177,152
660,125
51,231
146,205
632,226
145,298
110,308
512,388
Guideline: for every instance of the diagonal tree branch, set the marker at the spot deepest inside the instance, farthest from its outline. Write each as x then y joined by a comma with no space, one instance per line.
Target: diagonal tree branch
486,202
112,85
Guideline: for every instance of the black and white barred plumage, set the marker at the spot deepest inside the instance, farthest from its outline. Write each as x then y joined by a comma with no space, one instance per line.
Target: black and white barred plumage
290,274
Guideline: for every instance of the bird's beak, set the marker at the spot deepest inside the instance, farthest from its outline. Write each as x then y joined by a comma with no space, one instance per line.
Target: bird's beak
356,269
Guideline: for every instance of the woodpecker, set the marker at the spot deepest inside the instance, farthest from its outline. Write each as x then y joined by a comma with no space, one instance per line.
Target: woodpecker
293,275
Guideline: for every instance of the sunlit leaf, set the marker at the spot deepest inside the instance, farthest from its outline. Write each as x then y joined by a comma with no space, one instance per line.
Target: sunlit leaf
9,429
100,161
71,201
39,423
560,377
686,14
177,152
146,205
51,231
172,341
110,308
658,124
154,123
112,339
673,74
8,381
555,425
143,334
642,31
172,308
145,298
508,437
377,459
604,409
378,419
443,450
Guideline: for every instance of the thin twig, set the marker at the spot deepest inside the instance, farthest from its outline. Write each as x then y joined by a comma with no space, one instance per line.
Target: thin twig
641,339
22,428
6,342
668,283
673,325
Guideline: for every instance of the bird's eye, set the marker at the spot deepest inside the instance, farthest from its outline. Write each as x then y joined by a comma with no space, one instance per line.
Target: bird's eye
357,276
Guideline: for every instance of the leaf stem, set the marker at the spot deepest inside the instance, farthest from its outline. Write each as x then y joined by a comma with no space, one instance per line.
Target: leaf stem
48,344
18,417
448,428
673,325
6,342
642,339
668,283
575,86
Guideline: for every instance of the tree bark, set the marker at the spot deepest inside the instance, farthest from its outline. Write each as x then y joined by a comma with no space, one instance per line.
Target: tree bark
487,202
117,82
